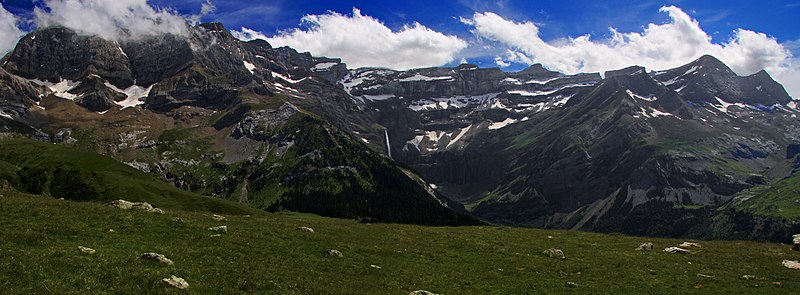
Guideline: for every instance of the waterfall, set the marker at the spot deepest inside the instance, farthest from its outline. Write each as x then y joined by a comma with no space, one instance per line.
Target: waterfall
388,146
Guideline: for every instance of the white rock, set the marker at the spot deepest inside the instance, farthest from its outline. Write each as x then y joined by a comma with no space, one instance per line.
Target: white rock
422,292
676,250
336,253
142,206
218,217
796,242
305,229
791,264
156,257
156,211
689,245
375,266
220,229
647,246
121,204
127,205
86,250
749,277
555,253
176,282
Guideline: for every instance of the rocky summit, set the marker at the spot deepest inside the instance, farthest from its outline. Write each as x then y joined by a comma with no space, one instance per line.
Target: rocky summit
681,152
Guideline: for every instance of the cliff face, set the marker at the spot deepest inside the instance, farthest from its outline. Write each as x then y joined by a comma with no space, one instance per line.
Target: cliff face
276,128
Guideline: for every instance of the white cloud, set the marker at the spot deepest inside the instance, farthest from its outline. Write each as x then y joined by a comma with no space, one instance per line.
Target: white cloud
501,63
110,19
205,9
362,41
658,47
9,31
248,34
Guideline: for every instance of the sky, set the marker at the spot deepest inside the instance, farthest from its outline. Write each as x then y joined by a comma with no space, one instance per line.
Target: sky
567,36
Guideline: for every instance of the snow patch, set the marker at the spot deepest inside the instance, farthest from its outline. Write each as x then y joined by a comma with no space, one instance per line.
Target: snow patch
378,97
133,94
504,123
321,67
459,136
645,98
418,77
60,89
250,67
287,79
547,92
440,103
542,82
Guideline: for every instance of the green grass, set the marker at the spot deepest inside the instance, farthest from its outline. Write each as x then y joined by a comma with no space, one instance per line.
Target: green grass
780,200
265,254
111,179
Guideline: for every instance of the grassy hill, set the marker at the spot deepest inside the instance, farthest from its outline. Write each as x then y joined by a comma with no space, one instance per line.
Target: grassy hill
779,200
266,254
69,173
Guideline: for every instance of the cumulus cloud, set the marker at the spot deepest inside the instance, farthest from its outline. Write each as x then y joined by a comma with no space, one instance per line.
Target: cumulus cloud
659,46
110,19
362,41
501,63
205,9
9,31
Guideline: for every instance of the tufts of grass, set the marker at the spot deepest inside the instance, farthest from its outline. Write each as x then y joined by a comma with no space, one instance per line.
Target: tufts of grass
265,254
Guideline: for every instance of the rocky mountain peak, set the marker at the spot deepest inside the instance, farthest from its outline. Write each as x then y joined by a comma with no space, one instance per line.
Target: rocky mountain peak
629,71
57,53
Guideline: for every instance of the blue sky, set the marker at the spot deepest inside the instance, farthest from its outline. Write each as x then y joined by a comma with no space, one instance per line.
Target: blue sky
558,18
478,31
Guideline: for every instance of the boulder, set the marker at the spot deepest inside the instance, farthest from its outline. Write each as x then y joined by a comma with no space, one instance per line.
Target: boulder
156,211
749,277
86,250
676,250
555,253
121,204
645,247
128,205
142,206
305,229
796,242
689,245
220,229
218,217
375,266
336,253
176,282
422,292
156,257
791,264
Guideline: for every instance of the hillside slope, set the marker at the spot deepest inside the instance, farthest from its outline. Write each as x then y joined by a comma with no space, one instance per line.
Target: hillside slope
62,172
266,254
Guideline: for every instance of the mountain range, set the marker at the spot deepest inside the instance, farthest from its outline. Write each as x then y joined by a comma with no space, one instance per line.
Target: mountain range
691,151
